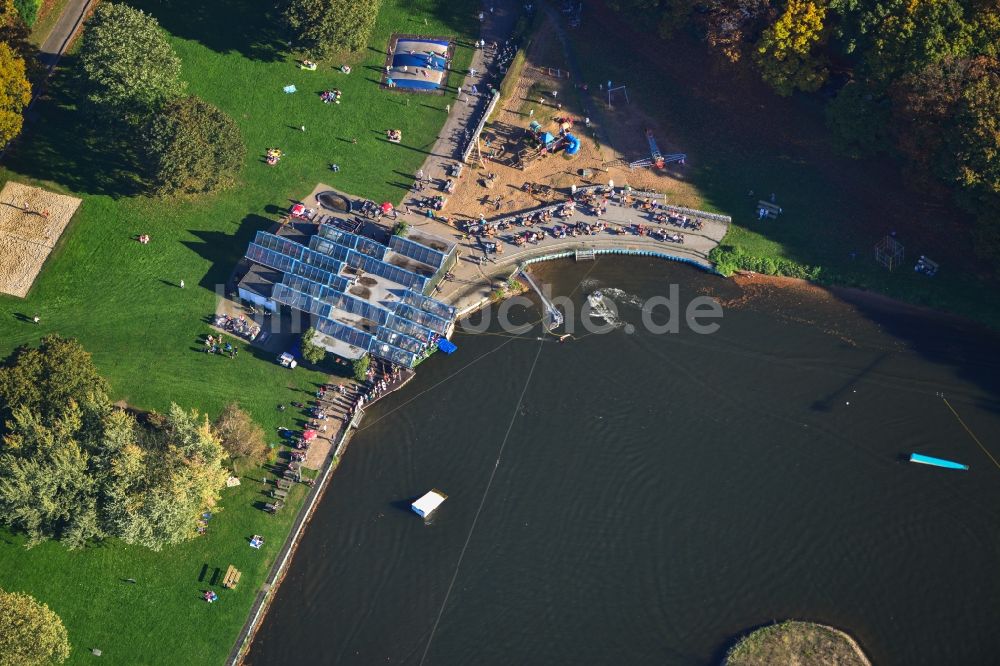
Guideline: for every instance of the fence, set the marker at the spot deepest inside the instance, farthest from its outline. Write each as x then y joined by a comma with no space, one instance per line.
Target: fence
474,137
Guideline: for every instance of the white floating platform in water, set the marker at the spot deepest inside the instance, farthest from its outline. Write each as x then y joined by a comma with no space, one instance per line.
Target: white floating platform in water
424,506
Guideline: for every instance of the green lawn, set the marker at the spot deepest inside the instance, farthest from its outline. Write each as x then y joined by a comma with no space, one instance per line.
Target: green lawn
740,136
120,300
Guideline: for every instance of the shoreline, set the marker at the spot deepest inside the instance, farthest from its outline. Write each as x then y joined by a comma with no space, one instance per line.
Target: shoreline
856,297
849,640
266,593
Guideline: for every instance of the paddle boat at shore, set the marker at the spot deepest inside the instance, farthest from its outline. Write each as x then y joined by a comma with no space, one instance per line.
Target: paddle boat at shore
426,505
936,462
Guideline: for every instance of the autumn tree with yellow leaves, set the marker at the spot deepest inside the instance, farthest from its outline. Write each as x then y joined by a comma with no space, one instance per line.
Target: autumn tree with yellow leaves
786,53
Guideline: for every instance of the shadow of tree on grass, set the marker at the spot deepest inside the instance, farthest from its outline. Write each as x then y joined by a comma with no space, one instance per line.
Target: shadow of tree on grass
253,30
66,146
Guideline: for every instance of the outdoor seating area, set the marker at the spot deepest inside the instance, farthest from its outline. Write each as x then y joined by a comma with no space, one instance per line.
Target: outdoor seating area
593,202
241,326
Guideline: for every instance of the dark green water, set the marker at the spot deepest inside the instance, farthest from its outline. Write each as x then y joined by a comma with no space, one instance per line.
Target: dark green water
658,495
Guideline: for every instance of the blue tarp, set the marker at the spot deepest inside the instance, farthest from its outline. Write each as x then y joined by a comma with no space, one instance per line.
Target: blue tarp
547,139
446,346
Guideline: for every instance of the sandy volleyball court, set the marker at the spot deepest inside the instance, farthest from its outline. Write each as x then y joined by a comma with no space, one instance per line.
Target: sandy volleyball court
31,222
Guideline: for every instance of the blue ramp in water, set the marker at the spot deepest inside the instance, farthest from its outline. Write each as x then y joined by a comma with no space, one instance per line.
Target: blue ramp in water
936,462
446,346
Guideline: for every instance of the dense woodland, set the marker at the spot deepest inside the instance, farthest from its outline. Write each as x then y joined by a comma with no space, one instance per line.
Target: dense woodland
919,79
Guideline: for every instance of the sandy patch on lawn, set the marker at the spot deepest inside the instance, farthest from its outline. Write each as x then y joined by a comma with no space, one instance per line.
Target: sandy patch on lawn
31,222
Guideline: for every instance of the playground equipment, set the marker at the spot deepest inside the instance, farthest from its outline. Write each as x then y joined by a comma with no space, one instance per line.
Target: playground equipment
546,143
616,89
889,252
656,158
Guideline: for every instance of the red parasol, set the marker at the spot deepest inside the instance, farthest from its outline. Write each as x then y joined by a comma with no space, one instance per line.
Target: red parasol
309,435
386,207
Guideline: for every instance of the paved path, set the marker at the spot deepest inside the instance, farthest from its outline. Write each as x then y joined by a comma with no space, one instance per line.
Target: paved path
447,150
62,32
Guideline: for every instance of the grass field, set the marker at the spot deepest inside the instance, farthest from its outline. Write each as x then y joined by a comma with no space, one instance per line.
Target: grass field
740,136
121,299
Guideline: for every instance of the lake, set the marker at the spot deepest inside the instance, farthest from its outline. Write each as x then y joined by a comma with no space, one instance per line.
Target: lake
653,496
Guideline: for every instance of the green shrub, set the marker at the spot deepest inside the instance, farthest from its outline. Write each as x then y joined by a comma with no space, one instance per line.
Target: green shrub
729,260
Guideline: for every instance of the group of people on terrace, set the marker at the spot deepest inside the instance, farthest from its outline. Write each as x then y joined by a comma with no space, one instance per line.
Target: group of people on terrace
593,201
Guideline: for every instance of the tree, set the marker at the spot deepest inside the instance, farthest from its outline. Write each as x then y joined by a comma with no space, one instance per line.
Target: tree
901,37
192,147
15,93
16,34
75,469
160,492
325,26
310,350
28,10
360,367
859,120
974,139
785,50
46,490
241,437
30,632
923,104
729,23
50,379
127,67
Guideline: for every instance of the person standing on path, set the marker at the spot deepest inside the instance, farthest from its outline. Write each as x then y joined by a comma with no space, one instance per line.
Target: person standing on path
447,108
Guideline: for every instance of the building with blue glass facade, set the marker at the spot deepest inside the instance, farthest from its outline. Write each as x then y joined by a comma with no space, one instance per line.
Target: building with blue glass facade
365,291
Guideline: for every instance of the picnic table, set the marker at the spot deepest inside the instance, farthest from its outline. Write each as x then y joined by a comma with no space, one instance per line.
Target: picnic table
231,578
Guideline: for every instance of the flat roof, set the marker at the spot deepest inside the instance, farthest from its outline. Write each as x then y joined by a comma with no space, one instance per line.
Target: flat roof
434,242
260,280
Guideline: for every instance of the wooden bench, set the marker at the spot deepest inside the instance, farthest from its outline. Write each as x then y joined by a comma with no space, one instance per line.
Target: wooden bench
231,578
771,209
